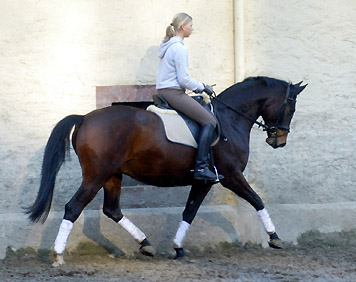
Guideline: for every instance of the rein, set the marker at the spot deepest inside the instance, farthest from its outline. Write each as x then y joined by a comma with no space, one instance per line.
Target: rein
270,129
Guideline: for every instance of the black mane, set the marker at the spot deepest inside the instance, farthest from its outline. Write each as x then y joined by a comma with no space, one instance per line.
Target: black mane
268,81
253,82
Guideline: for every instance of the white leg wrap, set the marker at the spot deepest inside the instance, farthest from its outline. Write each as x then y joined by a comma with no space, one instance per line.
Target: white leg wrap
61,241
266,220
138,235
180,235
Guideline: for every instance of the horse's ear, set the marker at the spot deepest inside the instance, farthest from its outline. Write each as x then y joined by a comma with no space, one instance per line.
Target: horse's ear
300,88
298,84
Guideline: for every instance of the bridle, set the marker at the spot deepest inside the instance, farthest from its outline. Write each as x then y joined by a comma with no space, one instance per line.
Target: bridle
279,124
271,130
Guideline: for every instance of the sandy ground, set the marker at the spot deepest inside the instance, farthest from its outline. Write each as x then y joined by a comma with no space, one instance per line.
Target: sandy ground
227,262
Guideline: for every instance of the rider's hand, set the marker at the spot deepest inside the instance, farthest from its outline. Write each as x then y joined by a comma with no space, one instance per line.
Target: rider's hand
208,89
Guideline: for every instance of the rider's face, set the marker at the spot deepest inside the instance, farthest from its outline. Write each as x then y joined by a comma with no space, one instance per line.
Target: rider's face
187,29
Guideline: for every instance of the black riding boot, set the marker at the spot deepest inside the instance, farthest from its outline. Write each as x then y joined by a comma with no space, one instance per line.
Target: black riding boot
201,169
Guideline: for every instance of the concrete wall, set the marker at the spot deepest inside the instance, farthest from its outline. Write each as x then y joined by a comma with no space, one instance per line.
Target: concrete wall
54,54
315,42
52,57
309,184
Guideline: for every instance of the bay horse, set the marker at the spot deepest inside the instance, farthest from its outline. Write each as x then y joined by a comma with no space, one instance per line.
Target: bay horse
121,140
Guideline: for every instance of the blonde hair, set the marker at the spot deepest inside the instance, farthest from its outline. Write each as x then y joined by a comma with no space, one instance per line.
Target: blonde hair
178,20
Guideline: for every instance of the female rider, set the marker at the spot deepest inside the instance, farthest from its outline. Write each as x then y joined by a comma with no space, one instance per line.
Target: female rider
172,81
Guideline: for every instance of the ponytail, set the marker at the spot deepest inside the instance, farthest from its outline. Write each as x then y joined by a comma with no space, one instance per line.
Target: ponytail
178,20
170,32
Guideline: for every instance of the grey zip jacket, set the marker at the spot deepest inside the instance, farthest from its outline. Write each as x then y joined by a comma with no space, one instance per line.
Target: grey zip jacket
173,67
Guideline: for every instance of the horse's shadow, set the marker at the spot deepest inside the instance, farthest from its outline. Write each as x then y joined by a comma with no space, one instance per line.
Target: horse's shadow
209,216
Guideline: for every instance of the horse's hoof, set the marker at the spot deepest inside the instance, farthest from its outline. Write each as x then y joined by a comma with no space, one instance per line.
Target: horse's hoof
276,243
59,261
148,251
180,254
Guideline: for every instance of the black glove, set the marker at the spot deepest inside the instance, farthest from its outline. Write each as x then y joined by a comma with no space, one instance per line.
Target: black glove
208,89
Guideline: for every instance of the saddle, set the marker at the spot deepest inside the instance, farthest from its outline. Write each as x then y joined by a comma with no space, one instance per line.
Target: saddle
178,127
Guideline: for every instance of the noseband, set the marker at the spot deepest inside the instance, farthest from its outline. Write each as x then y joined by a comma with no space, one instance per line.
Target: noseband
272,130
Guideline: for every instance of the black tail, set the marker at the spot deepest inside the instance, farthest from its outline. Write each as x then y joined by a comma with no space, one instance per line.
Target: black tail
54,156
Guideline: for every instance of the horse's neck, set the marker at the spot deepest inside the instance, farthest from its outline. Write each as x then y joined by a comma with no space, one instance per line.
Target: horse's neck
241,106
234,125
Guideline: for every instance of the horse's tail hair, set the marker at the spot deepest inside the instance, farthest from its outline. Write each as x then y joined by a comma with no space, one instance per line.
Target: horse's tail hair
54,156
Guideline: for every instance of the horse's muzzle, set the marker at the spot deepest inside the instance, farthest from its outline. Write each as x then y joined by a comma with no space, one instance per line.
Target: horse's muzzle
277,140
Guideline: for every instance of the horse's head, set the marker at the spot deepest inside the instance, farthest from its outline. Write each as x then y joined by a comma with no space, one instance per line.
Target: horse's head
278,112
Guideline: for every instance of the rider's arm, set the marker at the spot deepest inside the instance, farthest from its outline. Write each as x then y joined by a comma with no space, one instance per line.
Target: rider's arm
181,63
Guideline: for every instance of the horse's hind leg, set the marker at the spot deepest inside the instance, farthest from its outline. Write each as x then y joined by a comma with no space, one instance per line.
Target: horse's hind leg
73,209
112,191
196,196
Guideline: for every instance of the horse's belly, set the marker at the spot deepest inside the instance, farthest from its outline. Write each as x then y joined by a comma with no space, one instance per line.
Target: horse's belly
160,173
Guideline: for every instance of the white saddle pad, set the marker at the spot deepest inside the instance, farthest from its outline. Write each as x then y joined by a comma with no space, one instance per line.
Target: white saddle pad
175,127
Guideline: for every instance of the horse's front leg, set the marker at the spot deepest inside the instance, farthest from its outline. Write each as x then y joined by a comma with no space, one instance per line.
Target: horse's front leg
196,196
238,184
